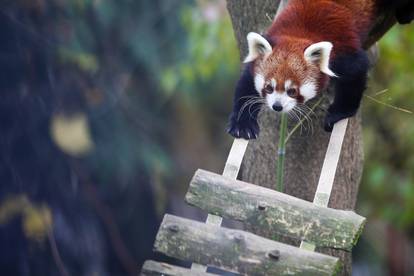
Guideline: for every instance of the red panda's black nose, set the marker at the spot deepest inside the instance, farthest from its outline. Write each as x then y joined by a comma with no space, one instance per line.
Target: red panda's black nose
277,107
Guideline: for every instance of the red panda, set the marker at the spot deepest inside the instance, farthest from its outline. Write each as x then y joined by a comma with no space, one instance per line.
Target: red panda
311,43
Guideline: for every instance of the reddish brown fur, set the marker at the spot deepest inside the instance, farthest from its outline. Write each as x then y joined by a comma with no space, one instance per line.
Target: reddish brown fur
323,20
344,23
287,63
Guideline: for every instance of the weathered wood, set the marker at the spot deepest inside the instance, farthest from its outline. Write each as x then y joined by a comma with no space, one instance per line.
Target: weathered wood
238,251
330,163
326,180
152,268
270,213
235,158
231,170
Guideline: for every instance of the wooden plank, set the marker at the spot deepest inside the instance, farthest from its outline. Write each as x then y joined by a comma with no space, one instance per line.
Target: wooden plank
327,177
152,268
231,170
270,213
238,251
234,160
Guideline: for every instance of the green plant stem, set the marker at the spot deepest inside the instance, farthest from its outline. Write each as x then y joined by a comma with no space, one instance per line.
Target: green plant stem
283,139
281,152
389,105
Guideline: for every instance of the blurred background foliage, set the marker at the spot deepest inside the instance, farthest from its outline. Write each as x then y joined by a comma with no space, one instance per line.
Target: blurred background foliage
108,108
389,140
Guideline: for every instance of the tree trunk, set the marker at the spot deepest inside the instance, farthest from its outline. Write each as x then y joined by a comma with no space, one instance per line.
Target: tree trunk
305,151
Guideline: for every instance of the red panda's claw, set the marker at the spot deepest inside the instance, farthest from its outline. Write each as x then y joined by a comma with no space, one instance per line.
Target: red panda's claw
247,129
332,117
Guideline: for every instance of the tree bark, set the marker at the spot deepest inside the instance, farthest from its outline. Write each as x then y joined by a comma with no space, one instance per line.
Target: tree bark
305,151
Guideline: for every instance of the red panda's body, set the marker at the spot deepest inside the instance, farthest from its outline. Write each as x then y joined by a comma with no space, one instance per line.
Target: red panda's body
319,20
303,23
309,44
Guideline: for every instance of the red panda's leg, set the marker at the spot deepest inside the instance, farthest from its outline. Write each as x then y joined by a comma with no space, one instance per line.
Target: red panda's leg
246,106
350,84
405,11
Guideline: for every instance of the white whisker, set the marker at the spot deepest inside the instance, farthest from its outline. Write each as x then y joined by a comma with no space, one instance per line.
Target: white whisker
307,114
252,101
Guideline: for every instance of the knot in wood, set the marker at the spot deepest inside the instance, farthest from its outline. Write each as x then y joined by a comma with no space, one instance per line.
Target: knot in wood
274,255
262,206
173,228
238,237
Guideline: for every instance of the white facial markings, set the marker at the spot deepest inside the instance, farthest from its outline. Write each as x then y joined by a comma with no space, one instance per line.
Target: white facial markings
272,99
281,97
259,83
288,84
273,83
308,90
287,102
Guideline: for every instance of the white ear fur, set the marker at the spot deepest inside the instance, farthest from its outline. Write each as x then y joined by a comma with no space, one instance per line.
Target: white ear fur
320,53
258,45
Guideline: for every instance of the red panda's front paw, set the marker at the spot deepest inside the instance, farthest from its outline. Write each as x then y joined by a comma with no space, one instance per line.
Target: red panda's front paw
333,117
247,129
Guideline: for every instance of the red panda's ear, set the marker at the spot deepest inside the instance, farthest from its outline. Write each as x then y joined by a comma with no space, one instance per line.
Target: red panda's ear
258,45
319,53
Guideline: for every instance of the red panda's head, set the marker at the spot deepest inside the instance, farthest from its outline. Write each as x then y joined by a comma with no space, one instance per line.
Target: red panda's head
291,72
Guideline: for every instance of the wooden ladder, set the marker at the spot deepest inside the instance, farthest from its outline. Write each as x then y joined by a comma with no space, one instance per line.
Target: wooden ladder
267,215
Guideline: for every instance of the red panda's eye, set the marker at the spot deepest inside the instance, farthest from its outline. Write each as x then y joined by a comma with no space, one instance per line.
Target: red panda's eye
292,92
268,89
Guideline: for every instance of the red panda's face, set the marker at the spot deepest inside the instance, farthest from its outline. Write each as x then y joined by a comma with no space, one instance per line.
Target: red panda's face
290,73
285,80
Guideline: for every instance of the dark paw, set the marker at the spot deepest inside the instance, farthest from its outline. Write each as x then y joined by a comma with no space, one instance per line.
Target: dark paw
405,15
247,128
333,117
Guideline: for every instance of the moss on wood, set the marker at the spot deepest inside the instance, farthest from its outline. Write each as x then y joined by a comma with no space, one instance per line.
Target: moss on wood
152,268
238,251
272,214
